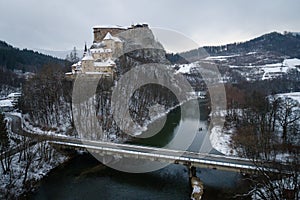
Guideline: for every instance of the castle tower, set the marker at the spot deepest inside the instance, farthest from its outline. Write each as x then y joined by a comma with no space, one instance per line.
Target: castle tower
108,40
87,62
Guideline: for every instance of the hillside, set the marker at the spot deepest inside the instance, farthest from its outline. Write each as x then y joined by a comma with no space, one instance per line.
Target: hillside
269,63
12,58
271,45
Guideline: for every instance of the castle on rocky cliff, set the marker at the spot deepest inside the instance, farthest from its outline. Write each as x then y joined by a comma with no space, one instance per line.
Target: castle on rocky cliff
99,58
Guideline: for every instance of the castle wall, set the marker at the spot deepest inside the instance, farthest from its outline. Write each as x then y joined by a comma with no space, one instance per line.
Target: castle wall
99,33
102,56
87,66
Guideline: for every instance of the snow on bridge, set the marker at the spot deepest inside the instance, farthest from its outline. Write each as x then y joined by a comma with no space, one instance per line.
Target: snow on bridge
204,160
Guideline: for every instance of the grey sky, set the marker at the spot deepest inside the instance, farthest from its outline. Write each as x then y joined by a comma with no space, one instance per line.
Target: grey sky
62,24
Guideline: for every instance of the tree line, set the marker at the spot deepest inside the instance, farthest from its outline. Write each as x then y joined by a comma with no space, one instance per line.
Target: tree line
26,60
267,131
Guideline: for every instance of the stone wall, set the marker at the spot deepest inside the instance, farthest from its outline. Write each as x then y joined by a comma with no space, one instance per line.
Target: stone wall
99,33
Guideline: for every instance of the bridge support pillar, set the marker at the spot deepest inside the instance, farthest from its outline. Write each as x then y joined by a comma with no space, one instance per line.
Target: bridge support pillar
195,184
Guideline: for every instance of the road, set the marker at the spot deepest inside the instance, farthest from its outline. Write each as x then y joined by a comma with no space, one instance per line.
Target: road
165,155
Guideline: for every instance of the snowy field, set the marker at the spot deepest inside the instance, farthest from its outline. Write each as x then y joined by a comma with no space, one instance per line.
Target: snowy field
273,70
292,95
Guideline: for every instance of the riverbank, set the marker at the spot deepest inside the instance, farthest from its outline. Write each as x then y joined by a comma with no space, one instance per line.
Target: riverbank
31,161
26,169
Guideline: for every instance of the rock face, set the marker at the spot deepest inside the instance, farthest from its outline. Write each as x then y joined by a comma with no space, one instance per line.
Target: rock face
140,47
129,109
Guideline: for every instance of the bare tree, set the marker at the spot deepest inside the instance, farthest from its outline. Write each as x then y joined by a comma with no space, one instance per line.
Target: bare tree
289,113
29,155
258,137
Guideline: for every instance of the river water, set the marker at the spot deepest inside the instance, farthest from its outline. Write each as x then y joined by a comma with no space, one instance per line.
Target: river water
83,177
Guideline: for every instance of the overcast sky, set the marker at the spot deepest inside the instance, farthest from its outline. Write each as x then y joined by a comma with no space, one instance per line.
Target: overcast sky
62,24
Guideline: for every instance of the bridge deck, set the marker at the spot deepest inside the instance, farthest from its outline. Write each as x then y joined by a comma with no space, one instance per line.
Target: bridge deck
163,155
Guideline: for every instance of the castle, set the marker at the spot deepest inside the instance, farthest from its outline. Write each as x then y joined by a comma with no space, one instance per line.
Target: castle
99,58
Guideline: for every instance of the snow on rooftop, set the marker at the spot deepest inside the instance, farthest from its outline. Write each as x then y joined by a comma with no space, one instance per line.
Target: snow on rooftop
107,63
291,62
88,57
77,64
109,26
274,65
97,50
15,94
275,69
97,45
108,36
6,103
100,50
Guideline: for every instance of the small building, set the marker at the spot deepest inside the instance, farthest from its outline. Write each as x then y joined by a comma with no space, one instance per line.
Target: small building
14,97
272,75
6,105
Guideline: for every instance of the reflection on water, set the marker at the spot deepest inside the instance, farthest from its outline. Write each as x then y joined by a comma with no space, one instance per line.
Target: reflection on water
83,177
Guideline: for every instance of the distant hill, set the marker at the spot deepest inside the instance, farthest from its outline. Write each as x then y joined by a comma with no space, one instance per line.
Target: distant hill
176,58
287,44
12,58
59,54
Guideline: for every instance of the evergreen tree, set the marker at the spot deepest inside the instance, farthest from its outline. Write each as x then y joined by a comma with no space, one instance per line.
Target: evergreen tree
73,56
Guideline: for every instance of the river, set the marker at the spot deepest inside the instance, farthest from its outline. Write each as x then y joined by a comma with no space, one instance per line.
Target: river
83,177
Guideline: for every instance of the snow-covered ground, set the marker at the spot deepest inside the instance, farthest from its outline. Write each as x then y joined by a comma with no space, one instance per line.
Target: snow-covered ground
287,183
220,140
185,68
292,95
221,58
6,90
12,182
250,72
13,138
36,130
272,70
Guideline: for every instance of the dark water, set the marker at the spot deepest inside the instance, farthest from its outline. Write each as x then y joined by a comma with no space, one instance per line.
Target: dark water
83,177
